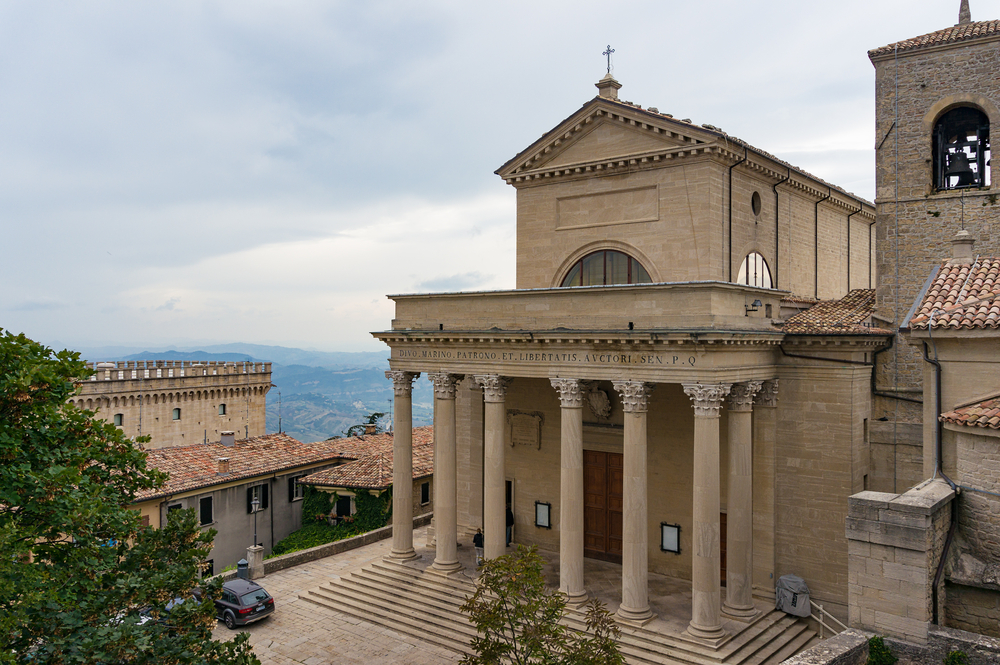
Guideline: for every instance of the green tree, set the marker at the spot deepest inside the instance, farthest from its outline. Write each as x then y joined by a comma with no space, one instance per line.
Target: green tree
518,621
77,567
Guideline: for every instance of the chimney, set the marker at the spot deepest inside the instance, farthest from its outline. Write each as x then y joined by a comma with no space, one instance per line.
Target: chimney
371,428
228,439
223,466
608,87
961,248
964,15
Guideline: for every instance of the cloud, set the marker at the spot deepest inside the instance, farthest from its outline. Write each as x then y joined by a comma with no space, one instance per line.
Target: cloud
464,282
169,305
38,306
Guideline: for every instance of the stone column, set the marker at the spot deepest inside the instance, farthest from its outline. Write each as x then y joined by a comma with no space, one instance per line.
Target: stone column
739,539
706,588
635,530
571,392
494,505
445,480
764,436
402,465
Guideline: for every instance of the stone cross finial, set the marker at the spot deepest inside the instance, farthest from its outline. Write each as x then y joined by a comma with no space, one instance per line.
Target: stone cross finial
964,15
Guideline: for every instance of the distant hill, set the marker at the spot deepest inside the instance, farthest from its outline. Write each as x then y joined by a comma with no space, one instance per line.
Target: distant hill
237,351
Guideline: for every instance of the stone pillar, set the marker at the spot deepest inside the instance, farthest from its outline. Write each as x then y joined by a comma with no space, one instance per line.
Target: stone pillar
765,423
494,505
571,392
706,588
739,539
255,561
402,465
445,480
635,530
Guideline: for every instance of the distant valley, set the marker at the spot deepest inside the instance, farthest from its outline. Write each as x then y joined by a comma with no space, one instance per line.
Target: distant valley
317,395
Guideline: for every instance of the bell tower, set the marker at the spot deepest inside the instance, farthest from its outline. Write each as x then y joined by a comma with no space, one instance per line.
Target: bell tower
936,100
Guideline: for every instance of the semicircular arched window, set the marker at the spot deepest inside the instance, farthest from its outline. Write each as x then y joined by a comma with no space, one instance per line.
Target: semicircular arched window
606,267
754,271
962,149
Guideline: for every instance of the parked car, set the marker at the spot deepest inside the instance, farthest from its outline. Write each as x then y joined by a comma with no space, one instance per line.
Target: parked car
243,602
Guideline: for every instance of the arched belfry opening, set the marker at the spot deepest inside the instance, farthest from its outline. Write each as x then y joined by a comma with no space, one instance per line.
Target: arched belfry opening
962,149
754,271
606,266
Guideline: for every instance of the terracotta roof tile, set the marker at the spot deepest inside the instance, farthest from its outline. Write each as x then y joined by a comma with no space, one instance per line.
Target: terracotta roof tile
962,296
197,466
956,33
851,315
374,470
982,414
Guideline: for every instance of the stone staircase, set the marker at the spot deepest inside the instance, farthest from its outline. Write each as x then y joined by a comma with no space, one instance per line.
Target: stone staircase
426,605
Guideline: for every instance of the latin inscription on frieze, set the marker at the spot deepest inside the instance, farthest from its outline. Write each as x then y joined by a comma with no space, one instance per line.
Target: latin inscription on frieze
603,359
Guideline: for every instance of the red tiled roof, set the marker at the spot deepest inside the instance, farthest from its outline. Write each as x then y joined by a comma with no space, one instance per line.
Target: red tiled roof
197,466
956,33
962,296
374,470
851,315
983,414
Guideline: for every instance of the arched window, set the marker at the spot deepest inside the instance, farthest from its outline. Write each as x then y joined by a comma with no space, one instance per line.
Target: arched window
754,271
962,149
606,267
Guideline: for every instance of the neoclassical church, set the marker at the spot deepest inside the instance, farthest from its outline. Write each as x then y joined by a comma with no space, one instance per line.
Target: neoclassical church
682,381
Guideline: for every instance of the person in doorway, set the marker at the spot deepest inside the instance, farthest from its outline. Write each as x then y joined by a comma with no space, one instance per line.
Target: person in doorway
477,542
510,525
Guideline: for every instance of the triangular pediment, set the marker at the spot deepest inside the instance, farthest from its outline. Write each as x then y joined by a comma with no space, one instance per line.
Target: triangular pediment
604,130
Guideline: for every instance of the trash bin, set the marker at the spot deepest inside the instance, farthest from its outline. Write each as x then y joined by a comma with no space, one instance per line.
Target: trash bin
792,596
242,569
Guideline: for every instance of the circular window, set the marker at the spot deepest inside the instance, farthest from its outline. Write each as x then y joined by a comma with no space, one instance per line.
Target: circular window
606,267
755,203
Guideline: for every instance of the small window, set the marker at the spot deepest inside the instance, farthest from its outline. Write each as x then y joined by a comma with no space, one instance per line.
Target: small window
119,419
177,414
606,267
754,271
144,521
344,506
173,508
961,147
755,204
222,409
295,489
205,505
256,493
425,493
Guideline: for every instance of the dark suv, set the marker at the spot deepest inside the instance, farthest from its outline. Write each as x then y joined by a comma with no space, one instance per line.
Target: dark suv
243,602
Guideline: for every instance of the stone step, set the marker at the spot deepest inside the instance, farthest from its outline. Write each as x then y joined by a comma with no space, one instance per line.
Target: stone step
769,645
804,640
439,585
390,596
450,634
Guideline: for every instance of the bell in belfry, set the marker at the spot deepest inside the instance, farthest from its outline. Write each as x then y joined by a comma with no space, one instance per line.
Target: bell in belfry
959,167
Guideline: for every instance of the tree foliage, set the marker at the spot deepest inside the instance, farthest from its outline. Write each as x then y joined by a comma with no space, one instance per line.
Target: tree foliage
518,621
77,566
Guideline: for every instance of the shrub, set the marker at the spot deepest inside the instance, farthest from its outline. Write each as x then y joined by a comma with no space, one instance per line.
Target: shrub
956,658
878,652
373,512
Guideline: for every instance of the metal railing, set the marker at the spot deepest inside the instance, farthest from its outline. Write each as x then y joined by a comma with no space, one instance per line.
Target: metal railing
822,624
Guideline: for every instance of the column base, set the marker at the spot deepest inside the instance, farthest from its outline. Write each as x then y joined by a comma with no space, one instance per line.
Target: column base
576,599
446,568
744,614
400,557
710,636
634,617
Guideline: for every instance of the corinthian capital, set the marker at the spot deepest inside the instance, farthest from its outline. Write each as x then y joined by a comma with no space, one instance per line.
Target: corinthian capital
494,386
741,395
635,395
402,382
444,384
571,392
707,398
768,395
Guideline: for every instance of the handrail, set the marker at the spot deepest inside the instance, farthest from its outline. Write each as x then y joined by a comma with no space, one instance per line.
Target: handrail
822,625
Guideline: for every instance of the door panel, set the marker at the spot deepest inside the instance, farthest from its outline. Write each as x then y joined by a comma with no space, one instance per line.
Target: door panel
603,505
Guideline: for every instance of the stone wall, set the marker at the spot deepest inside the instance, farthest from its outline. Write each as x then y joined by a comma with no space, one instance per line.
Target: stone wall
895,543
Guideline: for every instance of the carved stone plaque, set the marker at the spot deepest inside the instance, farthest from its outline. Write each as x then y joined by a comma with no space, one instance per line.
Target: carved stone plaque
525,428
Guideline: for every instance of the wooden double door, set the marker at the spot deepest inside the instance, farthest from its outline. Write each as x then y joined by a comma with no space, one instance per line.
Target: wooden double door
602,505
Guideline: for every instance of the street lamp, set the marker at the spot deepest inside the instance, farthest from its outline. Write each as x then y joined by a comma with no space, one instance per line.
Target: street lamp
255,503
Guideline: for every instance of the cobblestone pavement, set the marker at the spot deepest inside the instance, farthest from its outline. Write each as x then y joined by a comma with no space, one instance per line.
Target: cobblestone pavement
302,632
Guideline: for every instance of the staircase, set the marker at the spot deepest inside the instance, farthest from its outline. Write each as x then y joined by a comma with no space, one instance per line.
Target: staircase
426,605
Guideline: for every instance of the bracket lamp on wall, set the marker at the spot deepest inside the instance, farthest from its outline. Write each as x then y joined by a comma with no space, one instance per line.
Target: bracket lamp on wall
543,515
670,538
753,307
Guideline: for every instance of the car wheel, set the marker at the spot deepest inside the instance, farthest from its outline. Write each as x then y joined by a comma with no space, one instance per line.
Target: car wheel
230,621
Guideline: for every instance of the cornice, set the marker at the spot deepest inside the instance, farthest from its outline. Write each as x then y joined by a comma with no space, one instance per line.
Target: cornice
546,338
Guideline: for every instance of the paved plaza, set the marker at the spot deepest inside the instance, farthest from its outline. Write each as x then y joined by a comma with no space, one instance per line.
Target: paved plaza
302,632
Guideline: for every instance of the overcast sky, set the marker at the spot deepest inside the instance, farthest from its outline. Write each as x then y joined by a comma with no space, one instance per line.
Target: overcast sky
201,172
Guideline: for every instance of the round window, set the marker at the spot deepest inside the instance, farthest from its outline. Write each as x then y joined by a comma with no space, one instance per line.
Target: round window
755,203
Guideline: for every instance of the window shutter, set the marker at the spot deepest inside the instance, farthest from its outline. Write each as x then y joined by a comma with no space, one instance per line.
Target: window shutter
263,496
249,499
206,510
291,490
